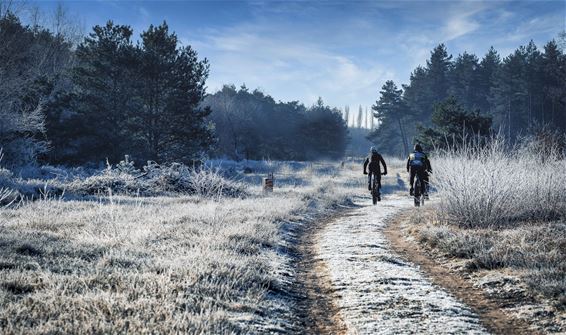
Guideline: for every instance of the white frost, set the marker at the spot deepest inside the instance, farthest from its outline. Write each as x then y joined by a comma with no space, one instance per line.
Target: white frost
379,292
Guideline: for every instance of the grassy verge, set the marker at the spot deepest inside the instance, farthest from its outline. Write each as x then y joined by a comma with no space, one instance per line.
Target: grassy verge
183,264
503,215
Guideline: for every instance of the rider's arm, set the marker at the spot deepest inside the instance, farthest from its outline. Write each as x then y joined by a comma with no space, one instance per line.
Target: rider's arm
427,165
366,162
384,165
408,163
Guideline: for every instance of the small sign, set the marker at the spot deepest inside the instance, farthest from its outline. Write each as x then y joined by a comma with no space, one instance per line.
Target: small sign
268,183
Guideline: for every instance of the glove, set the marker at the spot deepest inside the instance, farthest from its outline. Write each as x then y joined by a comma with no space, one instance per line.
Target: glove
384,173
365,172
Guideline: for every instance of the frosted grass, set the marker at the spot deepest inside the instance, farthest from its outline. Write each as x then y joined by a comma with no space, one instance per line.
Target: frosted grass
491,187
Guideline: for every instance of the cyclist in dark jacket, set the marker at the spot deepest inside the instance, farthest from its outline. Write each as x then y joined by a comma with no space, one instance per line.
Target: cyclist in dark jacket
418,162
374,160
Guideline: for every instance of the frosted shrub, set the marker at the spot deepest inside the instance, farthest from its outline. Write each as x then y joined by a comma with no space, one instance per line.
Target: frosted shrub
490,187
210,183
6,196
156,180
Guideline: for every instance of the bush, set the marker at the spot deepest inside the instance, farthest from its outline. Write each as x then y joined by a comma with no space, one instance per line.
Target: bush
489,186
155,180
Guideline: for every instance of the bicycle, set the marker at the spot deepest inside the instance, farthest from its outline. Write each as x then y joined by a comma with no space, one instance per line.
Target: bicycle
419,195
375,189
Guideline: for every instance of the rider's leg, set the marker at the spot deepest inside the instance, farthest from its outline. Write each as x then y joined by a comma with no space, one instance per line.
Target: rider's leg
369,180
425,180
423,183
378,181
412,180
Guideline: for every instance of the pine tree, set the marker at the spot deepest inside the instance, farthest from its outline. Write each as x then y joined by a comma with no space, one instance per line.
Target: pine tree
488,67
454,125
554,85
170,125
324,132
419,95
534,79
464,80
104,96
360,116
438,68
391,112
509,95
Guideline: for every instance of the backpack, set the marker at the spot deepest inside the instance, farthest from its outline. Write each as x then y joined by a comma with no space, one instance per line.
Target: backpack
417,159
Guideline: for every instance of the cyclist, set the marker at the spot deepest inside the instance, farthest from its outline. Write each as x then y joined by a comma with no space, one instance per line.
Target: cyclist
418,162
373,160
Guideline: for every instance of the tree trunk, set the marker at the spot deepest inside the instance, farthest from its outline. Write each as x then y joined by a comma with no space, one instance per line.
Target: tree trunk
403,137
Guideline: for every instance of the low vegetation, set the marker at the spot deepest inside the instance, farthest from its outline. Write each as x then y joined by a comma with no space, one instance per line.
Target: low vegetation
206,262
491,187
502,210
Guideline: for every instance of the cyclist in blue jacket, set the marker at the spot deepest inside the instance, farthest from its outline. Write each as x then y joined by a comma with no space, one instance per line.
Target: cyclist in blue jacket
418,162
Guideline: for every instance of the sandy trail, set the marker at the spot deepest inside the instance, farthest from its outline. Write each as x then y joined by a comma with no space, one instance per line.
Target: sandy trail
370,289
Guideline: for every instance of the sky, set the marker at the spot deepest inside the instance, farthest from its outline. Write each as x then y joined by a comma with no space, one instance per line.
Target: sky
342,51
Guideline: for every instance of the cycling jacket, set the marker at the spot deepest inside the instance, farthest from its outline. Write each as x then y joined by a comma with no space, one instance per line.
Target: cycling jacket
418,159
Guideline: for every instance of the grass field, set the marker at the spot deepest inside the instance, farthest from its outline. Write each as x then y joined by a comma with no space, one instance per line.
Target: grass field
198,264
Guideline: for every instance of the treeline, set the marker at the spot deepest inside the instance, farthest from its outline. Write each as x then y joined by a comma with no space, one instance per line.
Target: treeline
449,96
101,100
108,96
252,125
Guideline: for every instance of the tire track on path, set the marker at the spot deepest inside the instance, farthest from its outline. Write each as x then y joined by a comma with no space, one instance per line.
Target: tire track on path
356,284
319,313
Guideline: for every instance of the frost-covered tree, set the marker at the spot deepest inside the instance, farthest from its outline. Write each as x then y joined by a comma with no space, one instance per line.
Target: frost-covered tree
31,62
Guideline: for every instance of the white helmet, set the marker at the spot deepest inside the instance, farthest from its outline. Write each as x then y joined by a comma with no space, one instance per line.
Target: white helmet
373,150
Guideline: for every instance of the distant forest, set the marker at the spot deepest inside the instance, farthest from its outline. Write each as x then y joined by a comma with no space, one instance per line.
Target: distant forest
251,125
451,98
104,97
73,100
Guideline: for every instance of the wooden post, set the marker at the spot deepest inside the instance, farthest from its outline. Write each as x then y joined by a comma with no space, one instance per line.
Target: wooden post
268,183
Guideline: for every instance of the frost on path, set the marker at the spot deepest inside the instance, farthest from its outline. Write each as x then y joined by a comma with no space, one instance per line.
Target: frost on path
378,292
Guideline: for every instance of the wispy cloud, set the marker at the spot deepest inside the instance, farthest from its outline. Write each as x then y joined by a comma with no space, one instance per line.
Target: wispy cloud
461,19
299,51
286,64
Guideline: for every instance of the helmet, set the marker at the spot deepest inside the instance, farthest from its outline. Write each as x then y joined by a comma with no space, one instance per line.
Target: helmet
418,148
373,150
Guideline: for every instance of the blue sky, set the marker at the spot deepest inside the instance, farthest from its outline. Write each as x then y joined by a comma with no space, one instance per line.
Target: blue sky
342,51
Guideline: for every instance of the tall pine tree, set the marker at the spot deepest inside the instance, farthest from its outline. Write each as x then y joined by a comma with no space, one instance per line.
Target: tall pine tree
391,112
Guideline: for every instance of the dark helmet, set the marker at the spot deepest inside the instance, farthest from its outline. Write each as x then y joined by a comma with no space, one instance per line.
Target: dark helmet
373,150
418,148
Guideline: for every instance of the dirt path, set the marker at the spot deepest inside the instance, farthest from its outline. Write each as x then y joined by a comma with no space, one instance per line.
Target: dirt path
320,313
489,311
354,283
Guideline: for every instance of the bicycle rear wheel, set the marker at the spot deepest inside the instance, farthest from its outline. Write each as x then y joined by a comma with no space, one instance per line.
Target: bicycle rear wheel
417,192
374,190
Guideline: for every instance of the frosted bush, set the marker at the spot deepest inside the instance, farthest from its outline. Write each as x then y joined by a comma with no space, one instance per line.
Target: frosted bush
156,180
491,187
210,183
